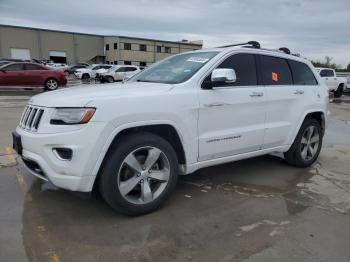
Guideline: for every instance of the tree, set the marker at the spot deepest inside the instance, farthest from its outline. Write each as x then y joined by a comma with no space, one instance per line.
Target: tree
327,63
348,68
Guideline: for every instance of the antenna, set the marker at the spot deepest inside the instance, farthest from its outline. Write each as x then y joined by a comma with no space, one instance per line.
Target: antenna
254,44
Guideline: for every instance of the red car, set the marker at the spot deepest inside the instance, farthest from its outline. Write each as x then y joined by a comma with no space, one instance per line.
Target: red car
26,74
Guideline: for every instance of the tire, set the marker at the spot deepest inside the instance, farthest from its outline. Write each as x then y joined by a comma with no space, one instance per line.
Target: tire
339,92
109,79
296,156
85,76
127,190
51,84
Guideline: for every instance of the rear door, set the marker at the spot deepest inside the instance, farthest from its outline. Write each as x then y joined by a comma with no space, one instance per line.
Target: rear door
33,75
284,101
12,75
232,116
130,71
120,73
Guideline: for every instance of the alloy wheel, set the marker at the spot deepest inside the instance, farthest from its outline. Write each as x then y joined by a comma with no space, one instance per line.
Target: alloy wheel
143,175
310,141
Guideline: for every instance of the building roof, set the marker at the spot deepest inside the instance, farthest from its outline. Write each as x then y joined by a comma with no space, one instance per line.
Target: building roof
70,32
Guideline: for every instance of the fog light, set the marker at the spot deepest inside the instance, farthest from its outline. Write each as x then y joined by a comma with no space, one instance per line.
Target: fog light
62,153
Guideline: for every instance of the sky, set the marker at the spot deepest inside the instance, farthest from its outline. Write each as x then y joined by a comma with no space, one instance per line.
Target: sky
313,28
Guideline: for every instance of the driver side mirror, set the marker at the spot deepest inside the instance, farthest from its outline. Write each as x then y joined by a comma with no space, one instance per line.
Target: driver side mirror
226,75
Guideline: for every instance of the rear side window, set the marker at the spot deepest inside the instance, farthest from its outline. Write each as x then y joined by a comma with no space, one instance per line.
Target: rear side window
14,67
33,67
275,71
245,67
302,75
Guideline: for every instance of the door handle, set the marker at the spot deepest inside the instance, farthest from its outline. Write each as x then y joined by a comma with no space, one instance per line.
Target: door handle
214,104
257,94
299,92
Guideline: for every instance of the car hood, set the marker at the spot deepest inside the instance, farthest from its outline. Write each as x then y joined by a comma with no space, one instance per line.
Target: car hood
82,95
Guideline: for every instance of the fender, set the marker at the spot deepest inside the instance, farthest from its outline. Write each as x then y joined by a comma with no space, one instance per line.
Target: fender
120,128
301,120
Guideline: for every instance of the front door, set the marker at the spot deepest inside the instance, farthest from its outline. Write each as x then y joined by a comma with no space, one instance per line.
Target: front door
232,116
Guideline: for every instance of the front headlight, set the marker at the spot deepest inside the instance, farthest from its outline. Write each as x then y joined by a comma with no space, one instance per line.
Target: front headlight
72,116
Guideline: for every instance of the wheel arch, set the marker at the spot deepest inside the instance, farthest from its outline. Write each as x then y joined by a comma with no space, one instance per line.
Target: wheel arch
164,130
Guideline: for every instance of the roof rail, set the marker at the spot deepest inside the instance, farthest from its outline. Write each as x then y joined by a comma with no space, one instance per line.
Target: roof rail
253,44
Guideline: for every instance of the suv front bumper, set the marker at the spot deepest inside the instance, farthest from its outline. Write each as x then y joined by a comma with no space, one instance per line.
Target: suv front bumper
75,174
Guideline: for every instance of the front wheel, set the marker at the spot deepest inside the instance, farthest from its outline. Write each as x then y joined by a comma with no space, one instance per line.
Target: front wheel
307,145
139,174
51,84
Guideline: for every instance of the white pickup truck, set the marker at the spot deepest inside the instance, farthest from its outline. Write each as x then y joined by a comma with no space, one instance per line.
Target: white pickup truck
334,83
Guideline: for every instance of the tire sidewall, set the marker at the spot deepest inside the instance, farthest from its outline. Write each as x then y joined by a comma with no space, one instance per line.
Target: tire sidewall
109,181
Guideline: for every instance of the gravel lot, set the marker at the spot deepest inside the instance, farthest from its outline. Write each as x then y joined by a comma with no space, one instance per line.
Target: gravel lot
253,210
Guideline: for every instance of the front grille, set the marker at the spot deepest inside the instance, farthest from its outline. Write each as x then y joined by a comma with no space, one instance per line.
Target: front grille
31,117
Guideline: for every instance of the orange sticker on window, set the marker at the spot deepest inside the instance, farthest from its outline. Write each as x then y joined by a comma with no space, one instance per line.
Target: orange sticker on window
274,76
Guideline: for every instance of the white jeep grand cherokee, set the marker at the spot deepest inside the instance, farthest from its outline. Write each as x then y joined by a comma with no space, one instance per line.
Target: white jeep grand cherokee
189,111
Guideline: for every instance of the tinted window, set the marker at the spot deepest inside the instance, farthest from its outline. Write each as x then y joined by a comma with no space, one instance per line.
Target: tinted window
97,67
302,75
129,69
33,67
122,69
244,65
14,67
275,71
327,73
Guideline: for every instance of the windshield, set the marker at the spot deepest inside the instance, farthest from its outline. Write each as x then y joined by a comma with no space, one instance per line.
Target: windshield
176,69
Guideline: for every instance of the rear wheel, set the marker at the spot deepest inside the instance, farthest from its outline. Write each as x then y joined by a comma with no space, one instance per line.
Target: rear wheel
339,91
139,174
51,84
307,145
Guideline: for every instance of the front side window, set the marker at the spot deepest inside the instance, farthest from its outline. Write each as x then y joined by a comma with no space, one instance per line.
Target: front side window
302,74
245,68
275,71
176,69
14,67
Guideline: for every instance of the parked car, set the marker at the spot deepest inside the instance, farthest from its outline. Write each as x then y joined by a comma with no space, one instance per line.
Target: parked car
119,73
334,83
26,74
73,68
189,111
90,72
